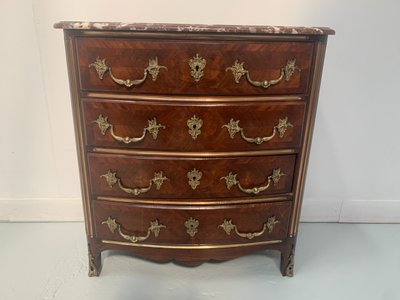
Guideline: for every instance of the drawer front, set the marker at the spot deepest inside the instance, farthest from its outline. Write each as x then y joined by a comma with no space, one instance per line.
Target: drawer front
191,225
185,127
185,178
193,67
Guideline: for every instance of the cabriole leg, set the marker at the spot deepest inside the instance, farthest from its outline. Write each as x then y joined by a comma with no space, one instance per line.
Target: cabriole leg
94,264
287,258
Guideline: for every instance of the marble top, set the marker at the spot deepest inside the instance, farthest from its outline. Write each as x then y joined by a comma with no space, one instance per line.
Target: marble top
164,27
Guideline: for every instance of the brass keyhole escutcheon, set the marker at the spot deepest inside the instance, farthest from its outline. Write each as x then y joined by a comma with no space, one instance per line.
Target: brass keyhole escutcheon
191,226
194,124
194,177
197,65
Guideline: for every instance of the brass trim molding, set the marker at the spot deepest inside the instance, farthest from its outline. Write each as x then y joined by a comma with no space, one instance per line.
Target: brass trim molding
204,100
287,197
194,154
199,246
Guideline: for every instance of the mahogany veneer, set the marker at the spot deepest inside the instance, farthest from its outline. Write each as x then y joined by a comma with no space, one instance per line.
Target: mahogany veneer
193,141
137,171
128,58
256,118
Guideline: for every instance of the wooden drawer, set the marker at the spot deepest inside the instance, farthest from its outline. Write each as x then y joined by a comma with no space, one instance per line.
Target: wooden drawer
188,127
180,178
191,225
128,59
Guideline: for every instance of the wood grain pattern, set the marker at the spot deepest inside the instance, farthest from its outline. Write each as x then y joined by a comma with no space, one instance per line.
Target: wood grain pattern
137,171
174,98
257,120
192,257
136,219
129,57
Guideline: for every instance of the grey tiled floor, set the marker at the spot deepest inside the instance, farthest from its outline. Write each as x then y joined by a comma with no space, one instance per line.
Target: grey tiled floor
333,261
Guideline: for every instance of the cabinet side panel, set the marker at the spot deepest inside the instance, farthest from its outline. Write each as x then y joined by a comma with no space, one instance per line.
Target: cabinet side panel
69,40
301,167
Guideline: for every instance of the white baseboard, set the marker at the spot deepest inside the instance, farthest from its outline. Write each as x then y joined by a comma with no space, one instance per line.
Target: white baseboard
41,210
327,210
370,211
350,211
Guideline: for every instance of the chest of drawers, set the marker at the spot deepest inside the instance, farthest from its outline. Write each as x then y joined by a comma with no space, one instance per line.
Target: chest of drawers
193,140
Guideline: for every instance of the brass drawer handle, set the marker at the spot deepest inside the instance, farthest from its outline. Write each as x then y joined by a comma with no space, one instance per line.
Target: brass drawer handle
231,180
269,225
152,128
112,178
233,128
154,227
286,72
153,69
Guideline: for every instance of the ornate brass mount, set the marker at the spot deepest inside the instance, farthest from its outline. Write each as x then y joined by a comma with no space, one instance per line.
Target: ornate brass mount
92,267
197,65
153,69
191,226
152,128
194,177
286,73
273,178
194,124
112,179
233,128
269,225
114,226
289,271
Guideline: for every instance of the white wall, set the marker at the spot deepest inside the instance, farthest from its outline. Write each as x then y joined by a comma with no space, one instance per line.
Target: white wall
353,174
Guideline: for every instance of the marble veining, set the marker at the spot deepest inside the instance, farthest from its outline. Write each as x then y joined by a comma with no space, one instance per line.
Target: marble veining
163,27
